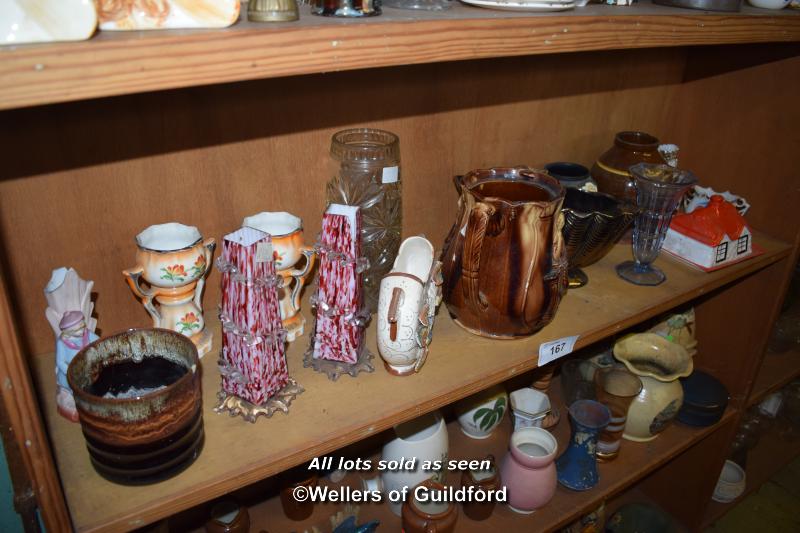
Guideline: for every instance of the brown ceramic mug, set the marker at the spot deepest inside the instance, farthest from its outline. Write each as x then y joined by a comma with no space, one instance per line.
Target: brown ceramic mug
484,481
428,516
300,476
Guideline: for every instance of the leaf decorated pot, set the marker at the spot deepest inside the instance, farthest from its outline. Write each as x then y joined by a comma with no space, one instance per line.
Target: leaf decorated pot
480,414
659,363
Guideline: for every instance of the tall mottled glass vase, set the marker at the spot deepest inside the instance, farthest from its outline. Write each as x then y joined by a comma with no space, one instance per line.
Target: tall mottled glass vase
368,176
659,188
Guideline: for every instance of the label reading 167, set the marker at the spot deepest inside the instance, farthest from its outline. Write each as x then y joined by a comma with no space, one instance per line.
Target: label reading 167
550,351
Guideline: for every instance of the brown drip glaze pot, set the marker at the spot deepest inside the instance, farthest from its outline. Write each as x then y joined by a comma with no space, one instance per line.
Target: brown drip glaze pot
488,482
139,403
422,517
610,171
504,262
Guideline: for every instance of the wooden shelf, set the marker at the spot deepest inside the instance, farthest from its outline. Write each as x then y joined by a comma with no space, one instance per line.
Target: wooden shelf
777,369
330,415
636,460
770,455
131,62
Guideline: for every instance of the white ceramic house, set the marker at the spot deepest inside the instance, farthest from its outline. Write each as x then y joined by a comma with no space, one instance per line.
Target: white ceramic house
710,237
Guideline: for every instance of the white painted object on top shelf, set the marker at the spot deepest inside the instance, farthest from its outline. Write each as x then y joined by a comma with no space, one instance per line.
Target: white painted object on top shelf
166,14
41,21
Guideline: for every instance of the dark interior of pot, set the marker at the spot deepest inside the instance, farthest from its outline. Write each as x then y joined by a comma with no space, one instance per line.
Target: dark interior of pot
514,185
139,403
591,202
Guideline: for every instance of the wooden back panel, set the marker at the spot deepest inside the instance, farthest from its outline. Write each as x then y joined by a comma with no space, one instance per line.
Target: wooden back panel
82,179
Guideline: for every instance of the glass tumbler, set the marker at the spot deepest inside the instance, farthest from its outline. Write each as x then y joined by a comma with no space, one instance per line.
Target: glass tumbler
616,389
368,176
659,188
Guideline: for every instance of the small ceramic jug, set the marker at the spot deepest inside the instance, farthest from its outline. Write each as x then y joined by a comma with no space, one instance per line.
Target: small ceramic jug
407,302
293,508
173,259
479,415
659,363
288,248
482,480
423,515
528,471
422,439
577,466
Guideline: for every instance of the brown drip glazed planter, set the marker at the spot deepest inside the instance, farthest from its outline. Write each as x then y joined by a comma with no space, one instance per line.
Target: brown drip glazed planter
610,171
146,436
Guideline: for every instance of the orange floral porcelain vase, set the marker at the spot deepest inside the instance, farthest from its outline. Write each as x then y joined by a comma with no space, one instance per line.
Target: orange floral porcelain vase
173,260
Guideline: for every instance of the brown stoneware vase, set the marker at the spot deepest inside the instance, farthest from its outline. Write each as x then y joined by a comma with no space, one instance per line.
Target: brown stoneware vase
428,516
610,171
504,261
484,481
293,508
139,403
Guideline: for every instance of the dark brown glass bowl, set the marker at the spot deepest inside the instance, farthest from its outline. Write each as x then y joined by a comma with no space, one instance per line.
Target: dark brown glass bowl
149,435
593,223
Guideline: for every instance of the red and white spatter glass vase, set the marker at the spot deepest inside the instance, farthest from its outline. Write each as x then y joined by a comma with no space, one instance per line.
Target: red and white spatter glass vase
255,378
341,318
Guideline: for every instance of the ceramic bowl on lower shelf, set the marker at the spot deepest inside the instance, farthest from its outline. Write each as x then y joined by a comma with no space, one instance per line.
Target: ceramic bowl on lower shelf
480,414
731,483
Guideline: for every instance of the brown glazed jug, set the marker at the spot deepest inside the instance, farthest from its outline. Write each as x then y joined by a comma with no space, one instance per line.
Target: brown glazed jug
610,171
429,515
504,264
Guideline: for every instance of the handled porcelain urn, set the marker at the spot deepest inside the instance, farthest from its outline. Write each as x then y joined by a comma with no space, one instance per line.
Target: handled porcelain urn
504,262
173,260
286,231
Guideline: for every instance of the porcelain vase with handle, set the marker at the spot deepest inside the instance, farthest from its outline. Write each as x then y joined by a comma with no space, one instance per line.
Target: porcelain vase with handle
173,260
288,247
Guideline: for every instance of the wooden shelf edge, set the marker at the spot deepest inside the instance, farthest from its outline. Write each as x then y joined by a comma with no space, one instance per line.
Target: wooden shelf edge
123,63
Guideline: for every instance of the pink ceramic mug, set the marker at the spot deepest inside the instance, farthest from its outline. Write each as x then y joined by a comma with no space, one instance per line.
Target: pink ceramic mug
528,470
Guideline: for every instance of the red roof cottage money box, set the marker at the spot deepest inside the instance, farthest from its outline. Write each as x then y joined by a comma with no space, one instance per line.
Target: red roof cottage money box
710,237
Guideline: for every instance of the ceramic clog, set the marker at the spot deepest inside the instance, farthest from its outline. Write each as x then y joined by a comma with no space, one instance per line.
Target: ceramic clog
407,304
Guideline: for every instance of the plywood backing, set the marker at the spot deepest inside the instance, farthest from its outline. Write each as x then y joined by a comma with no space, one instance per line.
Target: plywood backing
81,180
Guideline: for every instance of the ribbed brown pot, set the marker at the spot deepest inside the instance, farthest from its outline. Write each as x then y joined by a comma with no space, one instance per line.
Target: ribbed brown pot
504,262
610,171
147,438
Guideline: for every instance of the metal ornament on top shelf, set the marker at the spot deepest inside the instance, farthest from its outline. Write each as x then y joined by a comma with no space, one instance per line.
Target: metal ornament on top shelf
337,345
272,11
255,377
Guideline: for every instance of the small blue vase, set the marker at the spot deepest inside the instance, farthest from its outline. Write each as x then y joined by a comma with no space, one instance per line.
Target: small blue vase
577,466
